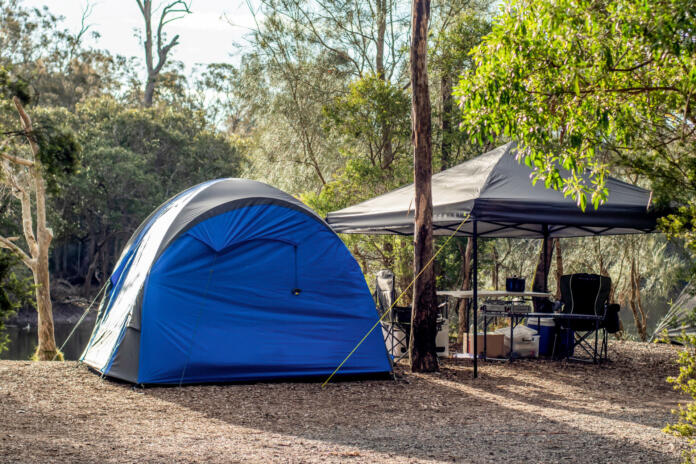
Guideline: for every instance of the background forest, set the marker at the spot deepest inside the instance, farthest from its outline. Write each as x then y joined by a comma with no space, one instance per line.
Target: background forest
318,105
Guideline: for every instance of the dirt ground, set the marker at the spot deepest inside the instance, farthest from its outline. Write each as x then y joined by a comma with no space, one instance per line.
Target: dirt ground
527,411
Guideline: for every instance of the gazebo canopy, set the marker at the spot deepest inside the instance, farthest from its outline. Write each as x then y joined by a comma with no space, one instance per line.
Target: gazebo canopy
495,189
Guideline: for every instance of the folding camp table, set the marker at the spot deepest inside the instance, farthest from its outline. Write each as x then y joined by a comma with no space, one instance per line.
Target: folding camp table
484,294
516,317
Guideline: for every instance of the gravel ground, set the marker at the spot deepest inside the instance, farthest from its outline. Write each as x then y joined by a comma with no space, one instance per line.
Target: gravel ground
528,411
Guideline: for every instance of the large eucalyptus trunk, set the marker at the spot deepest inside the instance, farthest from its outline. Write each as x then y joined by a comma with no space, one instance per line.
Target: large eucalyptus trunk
423,353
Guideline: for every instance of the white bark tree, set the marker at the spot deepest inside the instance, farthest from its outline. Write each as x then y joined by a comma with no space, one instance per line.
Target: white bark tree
170,12
24,177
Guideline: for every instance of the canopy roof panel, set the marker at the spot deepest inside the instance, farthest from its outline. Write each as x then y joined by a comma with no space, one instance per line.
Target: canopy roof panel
496,190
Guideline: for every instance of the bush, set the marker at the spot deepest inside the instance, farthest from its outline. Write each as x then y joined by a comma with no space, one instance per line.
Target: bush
15,291
686,383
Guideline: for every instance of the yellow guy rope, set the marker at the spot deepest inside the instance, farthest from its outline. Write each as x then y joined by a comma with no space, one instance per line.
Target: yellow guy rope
395,301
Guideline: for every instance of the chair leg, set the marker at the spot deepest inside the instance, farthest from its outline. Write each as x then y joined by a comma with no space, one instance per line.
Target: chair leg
596,335
583,342
606,345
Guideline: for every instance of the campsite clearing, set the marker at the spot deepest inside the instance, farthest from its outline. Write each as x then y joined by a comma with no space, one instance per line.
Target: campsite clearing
526,411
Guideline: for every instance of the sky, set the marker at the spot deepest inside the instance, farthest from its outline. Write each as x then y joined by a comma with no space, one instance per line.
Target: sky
212,34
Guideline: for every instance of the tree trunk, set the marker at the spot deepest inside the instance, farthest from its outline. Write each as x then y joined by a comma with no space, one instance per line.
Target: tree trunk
387,150
423,353
381,32
173,8
604,271
46,350
636,303
151,77
541,277
495,275
149,91
39,244
559,267
92,260
466,285
446,121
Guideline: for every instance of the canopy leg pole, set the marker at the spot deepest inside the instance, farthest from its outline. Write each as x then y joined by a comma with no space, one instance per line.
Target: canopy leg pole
475,295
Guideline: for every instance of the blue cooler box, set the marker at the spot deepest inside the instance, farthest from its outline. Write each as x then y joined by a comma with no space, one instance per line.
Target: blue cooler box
546,328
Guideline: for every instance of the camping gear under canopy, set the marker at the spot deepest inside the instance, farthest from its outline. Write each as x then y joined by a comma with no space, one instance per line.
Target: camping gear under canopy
494,194
495,189
234,280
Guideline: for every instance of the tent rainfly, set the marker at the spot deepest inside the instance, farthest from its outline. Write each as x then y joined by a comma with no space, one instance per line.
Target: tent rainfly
234,280
495,196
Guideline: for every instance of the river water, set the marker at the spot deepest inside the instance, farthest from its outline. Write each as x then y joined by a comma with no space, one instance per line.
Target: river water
23,340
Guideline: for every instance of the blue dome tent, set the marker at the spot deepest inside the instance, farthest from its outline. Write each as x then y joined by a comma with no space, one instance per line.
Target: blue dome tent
234,280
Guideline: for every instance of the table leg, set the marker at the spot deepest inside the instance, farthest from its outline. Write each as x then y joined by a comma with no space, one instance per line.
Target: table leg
467,304
485,336
512,325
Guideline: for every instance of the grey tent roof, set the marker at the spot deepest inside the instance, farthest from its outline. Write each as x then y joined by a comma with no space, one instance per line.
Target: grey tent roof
497,191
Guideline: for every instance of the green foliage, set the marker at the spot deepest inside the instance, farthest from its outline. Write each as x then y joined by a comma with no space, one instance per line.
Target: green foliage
15,291
685,382
59,149
35,44
133,160
14,86
464,28
374,118
576,80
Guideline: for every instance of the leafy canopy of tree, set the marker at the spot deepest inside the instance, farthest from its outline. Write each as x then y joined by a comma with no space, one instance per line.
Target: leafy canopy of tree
577,81
133,158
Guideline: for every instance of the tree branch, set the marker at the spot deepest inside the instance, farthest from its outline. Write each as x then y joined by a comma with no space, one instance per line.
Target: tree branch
7,243
632,68
623,90
178,6
17,160
26,123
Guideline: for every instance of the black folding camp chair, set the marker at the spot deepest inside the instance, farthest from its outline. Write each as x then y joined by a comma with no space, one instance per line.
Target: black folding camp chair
588,294
396,324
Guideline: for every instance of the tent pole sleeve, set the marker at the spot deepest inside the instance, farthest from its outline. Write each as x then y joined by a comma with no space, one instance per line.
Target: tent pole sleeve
475,295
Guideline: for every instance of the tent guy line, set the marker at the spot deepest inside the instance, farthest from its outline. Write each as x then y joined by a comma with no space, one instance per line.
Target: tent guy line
79,321
396,300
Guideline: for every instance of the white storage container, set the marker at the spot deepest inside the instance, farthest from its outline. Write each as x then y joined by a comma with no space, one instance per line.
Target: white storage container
442,340
524,348
525,344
